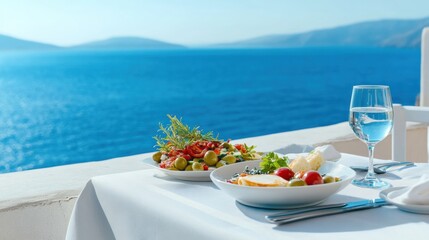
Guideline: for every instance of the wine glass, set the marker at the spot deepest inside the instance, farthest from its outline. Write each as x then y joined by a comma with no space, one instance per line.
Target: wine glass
371,118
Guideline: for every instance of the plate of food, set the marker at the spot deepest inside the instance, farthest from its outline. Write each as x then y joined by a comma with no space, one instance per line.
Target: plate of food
277,182
190,154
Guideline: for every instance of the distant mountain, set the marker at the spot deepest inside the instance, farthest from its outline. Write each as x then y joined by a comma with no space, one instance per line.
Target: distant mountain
11,43
127,43
383,33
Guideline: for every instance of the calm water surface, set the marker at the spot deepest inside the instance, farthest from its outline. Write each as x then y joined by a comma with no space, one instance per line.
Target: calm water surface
67,107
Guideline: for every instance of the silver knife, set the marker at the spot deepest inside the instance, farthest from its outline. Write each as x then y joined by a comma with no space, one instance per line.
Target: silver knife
324,210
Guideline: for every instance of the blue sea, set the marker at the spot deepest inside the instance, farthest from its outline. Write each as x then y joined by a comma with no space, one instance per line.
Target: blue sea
65,107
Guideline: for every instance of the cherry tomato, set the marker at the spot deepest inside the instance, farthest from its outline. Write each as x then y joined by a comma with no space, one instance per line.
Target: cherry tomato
205,167
285,173
240,147
312,178
217,151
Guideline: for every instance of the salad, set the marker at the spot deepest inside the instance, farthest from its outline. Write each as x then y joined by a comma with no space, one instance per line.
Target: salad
276,171
181,148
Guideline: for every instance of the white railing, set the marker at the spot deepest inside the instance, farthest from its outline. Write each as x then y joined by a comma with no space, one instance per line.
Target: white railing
404,114
424,69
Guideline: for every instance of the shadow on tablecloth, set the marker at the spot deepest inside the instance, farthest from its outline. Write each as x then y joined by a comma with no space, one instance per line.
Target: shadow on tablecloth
347,222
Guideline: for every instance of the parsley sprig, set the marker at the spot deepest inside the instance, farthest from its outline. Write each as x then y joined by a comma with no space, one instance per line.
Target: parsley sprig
271,162
178,135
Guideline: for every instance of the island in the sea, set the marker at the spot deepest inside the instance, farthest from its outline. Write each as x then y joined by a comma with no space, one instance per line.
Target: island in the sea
12,43
383,33
127,43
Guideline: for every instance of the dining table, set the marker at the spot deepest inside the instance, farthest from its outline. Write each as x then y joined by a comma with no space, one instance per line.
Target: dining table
147,204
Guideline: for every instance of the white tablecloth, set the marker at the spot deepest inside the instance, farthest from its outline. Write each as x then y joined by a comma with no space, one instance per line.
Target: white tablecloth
149,205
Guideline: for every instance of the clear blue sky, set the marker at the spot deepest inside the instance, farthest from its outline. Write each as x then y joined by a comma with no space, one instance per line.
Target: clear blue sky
65,22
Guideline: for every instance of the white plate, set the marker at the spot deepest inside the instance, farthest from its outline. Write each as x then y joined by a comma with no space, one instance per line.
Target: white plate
196,176
391,194
281,197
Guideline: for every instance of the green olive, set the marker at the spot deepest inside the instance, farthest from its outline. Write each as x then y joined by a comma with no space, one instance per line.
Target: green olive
189,168
221,163
229,159
296,182
172,168
157,157
226,145
328,179
210,158
337,179
196,166
180,163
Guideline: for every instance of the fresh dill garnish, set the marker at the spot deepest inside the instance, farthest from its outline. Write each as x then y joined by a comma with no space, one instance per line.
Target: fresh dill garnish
178,135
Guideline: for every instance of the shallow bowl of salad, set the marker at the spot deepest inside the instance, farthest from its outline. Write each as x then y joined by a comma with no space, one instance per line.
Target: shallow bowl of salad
248,185
187,153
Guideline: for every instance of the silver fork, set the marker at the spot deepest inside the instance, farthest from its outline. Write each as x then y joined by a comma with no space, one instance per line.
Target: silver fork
381,168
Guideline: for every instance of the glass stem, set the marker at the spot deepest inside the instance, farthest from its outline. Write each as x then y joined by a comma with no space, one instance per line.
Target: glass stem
370,175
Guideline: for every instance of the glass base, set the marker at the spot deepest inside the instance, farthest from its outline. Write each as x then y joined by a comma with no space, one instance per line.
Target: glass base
370,183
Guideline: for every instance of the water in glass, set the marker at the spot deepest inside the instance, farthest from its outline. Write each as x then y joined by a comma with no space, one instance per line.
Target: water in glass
371,119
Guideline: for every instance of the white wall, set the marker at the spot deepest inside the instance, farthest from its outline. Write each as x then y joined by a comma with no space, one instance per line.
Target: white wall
46,220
